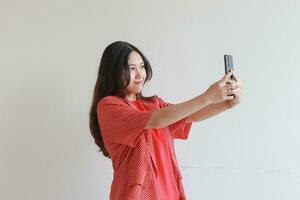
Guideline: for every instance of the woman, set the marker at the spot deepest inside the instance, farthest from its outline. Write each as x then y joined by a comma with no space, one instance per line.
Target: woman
137,133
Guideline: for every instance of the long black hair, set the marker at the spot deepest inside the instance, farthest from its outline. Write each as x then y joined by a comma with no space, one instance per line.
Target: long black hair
113,78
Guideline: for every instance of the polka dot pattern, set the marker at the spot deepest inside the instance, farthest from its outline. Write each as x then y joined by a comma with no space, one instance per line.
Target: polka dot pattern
130,146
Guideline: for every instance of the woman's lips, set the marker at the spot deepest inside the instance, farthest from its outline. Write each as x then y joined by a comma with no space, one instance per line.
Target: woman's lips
138,82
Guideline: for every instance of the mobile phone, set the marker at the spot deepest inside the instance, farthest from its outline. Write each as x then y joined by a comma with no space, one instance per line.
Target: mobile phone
228,65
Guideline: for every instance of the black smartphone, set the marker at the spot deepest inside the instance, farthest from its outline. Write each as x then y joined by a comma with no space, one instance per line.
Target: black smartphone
228,61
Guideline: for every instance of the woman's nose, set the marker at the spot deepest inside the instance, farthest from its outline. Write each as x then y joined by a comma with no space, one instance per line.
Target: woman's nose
138,72
138,75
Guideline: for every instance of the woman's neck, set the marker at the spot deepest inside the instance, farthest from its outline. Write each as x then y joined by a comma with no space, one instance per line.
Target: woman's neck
131,97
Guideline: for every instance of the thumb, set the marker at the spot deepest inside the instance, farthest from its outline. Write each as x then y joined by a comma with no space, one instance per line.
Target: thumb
226,77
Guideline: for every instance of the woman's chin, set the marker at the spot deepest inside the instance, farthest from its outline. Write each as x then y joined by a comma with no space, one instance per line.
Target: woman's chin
137,89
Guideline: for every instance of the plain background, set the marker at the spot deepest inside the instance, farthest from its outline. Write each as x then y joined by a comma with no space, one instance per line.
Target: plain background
50,53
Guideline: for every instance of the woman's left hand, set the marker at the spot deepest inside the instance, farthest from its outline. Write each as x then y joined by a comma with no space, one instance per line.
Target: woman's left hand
237,90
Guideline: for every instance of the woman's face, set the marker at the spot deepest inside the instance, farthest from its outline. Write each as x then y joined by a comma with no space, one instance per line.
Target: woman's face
137,75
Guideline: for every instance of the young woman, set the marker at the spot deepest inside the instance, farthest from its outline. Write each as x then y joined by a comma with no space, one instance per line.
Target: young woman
137,133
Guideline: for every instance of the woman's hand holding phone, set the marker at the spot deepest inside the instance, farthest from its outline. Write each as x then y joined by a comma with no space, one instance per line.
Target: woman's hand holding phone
237,90
220,91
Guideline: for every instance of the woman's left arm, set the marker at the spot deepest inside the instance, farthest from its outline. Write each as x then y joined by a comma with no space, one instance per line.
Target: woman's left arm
208,111
213,109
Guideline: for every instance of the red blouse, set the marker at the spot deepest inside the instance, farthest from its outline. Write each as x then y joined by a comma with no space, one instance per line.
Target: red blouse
166,177
144,160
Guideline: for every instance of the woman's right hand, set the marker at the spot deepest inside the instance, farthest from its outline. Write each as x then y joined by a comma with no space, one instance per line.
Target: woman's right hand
220,90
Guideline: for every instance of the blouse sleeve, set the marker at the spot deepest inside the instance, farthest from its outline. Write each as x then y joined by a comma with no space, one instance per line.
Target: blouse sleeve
179,129
121,122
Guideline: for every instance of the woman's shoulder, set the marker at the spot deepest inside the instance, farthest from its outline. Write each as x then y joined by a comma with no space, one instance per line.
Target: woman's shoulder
111,100
119,99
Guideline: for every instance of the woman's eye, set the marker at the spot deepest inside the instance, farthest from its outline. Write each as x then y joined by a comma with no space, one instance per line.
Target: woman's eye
133,68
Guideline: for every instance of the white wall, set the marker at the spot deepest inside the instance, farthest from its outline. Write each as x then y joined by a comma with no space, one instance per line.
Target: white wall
50,52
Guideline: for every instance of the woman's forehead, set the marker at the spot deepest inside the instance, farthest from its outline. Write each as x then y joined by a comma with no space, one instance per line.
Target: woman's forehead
135,59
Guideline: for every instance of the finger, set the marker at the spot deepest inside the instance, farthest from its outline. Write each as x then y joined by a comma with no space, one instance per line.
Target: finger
226,77
229,92
238,84
235,76
231,81
231,86
229,97
235,90
227,87
237,93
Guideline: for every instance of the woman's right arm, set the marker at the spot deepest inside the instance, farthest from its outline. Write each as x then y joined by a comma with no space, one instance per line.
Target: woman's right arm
171,114
217,92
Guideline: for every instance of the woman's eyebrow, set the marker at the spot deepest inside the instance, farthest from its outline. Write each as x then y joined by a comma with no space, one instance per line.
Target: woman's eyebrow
134,64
